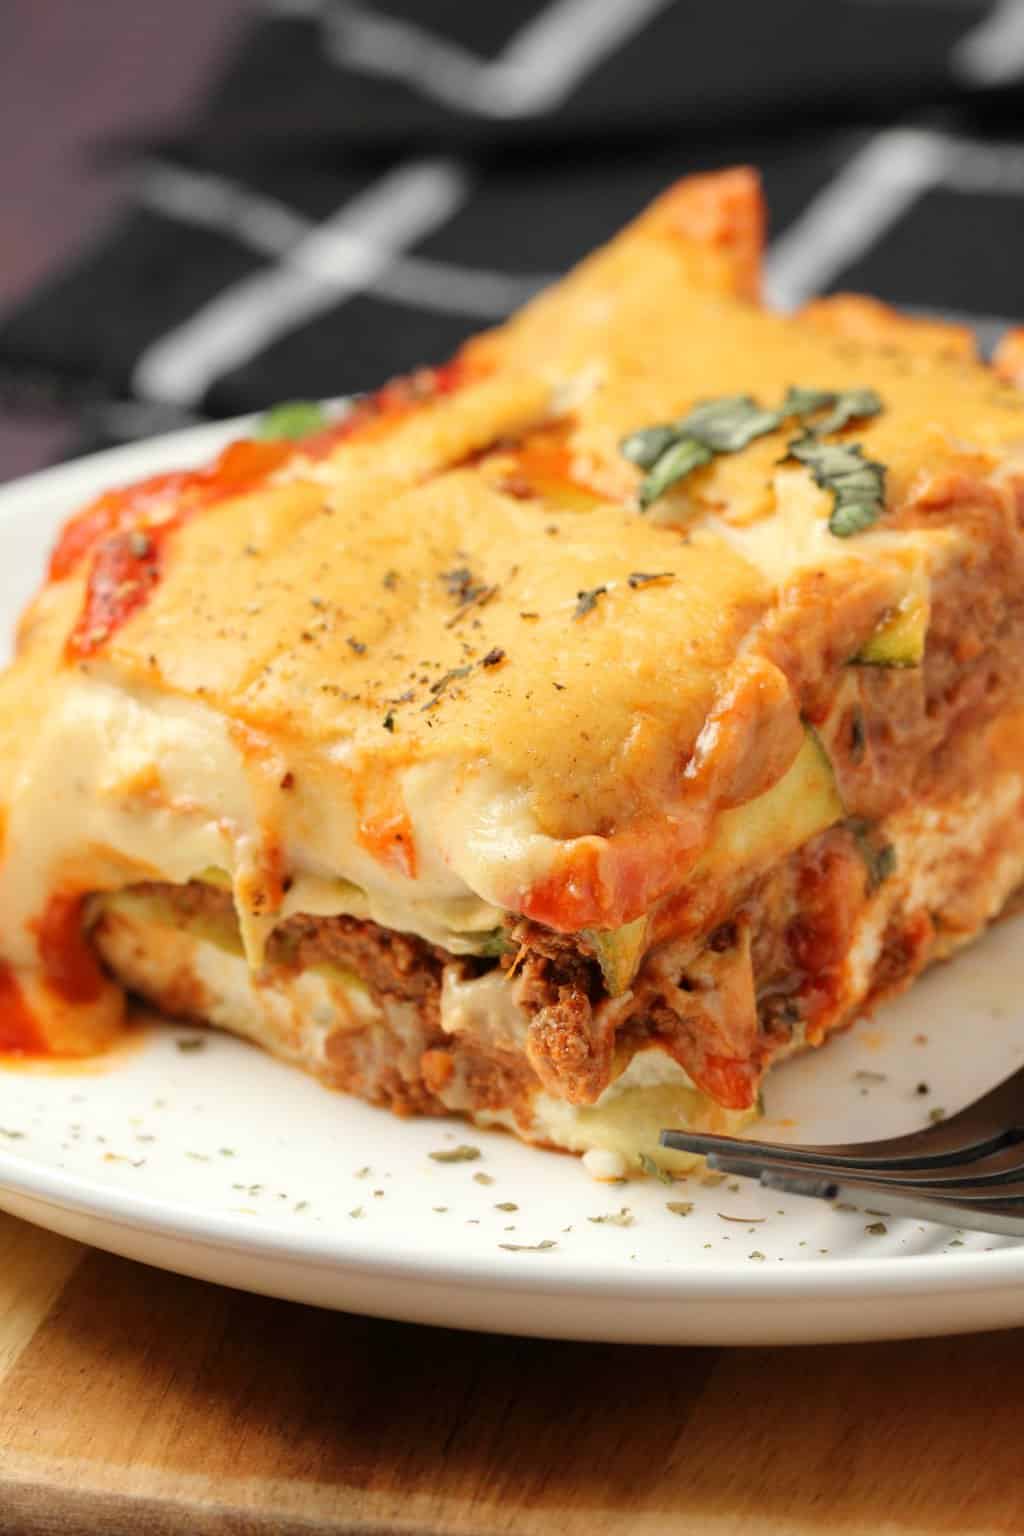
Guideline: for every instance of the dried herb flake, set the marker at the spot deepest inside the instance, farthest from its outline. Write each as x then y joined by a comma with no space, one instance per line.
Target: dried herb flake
460,1154
622,1218
586,601
652,1168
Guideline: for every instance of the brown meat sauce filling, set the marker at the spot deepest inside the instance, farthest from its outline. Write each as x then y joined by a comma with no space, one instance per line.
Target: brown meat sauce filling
574,1044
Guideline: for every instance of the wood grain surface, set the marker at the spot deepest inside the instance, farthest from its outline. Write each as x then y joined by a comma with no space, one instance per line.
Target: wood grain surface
133,1401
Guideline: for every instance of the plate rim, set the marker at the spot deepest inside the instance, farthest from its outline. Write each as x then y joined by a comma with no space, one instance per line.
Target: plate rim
892,1275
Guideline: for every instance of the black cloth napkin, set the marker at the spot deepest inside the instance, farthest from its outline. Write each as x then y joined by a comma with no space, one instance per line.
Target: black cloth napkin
368,184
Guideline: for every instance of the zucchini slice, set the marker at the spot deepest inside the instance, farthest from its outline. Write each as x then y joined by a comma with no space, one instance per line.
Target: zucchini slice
801,804
899,640
219,929
214,875
619,952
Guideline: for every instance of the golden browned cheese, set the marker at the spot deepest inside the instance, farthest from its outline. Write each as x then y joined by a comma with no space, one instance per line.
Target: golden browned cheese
349,617
268,602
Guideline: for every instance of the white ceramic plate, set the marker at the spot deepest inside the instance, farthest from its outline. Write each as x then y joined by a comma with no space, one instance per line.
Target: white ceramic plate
221,1163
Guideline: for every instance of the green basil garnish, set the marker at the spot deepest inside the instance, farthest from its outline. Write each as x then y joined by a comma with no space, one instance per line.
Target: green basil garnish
646,447
857,484
669,451
851,405
674,464
805,402
728,424
292,419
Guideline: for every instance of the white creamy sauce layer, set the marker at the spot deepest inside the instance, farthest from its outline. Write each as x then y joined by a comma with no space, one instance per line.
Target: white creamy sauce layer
122,786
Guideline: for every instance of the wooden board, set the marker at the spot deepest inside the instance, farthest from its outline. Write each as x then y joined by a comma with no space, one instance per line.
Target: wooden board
133,1401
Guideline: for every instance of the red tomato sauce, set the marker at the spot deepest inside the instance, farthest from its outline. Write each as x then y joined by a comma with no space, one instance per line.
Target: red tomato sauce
603,883
69,965
726,1079
163,500
391,841
125,533
19,1029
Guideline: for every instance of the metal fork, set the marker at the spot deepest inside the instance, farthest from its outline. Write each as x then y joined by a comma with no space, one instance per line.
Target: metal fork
967,1171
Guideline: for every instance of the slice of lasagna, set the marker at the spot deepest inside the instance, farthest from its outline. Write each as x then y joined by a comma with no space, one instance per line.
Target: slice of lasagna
561,738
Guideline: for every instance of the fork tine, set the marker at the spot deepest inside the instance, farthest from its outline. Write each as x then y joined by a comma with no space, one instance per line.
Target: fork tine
994,1121
913,1152
996,1173
974,1194
1005,1217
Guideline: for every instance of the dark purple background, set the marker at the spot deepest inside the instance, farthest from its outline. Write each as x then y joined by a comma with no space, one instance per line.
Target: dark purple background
74,73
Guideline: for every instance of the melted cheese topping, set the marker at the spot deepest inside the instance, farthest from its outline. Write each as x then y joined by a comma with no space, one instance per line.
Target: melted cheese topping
379,669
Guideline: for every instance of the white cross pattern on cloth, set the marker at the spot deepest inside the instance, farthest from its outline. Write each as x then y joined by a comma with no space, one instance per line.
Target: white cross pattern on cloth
370,180
358,245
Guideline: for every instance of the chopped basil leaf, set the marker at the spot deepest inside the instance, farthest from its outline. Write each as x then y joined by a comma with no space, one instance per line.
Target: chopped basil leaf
292,419
675,464
714,426
851,405
806,402
853,516
669,451
647,446
729,423
843,406
857,484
